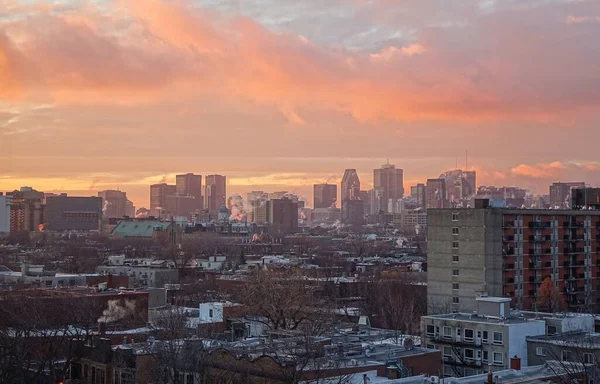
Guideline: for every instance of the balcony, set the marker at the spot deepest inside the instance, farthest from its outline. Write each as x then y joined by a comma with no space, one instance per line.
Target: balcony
453,341
509,224
463,362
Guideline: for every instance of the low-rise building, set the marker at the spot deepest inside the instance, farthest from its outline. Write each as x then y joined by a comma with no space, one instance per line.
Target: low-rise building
472,343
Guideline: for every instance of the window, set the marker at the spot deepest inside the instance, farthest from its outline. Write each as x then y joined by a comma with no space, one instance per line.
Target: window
498,338
455,286
455,300
540,351
455,217
447,351
455,244
498,358
485,356
484,338
469,354
447,332
430,330
565,355
588,358
210,313
430,346
551,330
455,231
478,354
455,258
468,334
455,272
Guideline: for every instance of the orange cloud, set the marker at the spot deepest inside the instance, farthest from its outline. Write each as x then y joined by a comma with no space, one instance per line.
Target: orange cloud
539,171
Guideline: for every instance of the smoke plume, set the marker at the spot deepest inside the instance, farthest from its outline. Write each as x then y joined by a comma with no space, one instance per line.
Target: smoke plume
115,311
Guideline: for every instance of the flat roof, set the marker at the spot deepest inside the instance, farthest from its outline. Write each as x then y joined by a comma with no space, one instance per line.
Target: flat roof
473,318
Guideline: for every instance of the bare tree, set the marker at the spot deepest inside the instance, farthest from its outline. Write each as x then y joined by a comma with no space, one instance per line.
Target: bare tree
575,357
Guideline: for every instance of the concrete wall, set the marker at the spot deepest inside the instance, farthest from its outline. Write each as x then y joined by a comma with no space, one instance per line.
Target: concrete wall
517,342
66,213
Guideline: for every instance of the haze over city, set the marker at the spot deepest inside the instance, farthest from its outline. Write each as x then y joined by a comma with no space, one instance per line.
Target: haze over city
279,95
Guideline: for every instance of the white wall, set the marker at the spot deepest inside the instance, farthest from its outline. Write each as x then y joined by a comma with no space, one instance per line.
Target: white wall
208,309
5,214
517,344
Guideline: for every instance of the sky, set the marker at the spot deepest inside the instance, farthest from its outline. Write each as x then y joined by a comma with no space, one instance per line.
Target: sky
282,94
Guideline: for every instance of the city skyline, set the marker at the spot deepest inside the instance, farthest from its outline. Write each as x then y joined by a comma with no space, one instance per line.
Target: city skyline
285,105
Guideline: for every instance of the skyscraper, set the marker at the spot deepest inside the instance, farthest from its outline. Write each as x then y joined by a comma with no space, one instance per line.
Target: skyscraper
390,180
436,193
350,185
159,193
353,212
190,185
114,204
69,213
283,215
459,185
215,193
418,192
325,195
560,194
256,207
4,213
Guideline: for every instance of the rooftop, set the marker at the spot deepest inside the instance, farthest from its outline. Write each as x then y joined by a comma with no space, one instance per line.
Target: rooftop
144,228
474,318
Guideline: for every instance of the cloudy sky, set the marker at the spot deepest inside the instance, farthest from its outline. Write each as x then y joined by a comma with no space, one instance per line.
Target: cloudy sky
280,94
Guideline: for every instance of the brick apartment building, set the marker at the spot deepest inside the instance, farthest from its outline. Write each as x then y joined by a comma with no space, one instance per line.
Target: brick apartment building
509,252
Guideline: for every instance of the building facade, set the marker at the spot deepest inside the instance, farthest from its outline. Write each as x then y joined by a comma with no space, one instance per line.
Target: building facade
353,212
114,204
215,193
73,213
390,180
257,209
283,215
27,210
436,193
159,193
5,203
560,194
189,184
509,253
325,195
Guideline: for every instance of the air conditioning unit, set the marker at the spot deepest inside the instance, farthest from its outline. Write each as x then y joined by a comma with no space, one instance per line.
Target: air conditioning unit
434,380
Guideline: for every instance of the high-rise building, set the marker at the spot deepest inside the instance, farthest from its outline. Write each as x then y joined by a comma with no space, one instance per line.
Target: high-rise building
325,195
560,194
159,193
419,193
4,213
365,196
377,202
215,193
513,196
190,185
27,210
390,180
353,212
283,215
257,207
70,213
350,187
509,253
436,193
460,185
181,205
582,198
114,204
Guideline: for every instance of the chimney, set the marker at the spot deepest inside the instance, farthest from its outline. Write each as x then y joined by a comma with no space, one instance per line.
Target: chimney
515,363
109,280
102,328
392,373
490,378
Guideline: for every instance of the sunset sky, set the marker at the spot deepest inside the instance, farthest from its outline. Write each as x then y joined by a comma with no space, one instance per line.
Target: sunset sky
281,94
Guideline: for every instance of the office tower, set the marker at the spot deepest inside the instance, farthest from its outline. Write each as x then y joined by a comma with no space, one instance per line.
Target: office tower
130,209
283,215
325,195
583,198
256,207
460,185
365,196
215,193
436,193
419,193
513,196
190,185
114,204
180,205
68,213
390,181
377,201
560,194
4,213
350,185
509,252
353,212
27,210
159,193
